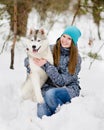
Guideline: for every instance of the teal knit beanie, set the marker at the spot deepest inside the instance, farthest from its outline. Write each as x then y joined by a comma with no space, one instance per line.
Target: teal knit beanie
73,32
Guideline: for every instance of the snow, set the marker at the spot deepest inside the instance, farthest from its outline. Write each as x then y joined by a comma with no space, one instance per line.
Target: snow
85,112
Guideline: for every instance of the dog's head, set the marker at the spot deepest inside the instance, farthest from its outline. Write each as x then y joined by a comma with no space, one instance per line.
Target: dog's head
37,41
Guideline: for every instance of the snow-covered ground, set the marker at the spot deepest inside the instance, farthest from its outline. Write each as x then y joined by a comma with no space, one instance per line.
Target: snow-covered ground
85,112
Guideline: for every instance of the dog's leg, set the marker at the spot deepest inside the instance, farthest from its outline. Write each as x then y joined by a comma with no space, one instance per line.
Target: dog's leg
27,90
37,88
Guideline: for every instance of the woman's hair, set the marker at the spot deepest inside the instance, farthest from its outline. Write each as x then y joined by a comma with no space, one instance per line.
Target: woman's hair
73,56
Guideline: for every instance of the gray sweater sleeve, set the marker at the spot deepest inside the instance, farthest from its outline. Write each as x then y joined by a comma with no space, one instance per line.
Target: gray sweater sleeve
61,79
53,74
27,65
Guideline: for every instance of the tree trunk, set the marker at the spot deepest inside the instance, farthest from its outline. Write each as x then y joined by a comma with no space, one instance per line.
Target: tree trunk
15,35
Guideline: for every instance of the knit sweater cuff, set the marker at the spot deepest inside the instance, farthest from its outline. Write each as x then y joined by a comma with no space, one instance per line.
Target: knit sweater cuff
45,66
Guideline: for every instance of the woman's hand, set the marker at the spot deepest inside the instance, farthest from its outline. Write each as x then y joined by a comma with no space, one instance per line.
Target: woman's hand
40,62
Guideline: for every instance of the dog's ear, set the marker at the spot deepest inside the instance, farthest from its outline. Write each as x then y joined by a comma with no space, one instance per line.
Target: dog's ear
42,31
31,32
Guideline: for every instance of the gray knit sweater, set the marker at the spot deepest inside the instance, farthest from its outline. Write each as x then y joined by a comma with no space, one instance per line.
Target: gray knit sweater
60,77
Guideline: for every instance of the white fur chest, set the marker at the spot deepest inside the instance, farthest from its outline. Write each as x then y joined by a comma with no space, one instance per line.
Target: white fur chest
33,66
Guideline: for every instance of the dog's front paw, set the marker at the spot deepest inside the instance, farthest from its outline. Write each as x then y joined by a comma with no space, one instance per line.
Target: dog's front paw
40,100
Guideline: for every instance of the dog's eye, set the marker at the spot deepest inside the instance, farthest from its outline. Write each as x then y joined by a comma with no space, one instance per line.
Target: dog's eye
38,40
32,40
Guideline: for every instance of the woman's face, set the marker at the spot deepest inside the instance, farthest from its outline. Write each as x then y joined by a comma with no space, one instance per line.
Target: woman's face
66,41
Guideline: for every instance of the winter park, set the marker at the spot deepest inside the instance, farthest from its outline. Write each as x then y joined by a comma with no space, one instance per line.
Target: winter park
17,18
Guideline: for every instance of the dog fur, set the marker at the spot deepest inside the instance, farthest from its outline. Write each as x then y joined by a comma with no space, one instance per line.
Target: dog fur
37,47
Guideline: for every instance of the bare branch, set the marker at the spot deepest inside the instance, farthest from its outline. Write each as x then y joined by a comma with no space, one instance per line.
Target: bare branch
95,58
75,15
4,44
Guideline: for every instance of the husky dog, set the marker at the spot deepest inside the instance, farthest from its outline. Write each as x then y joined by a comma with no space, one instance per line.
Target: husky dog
37,47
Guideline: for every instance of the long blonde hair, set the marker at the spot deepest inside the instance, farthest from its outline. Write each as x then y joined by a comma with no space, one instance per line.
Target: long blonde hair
73,56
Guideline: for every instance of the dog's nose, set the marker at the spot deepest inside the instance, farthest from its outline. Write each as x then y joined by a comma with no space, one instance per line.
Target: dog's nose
33,46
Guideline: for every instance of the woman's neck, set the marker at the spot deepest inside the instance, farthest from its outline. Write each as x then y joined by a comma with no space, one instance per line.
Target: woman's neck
64,51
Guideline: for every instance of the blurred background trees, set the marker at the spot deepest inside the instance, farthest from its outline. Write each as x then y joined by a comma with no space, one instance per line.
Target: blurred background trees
48,10
94,7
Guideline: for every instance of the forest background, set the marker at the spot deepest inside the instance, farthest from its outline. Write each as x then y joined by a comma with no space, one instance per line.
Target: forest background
48,14
17,17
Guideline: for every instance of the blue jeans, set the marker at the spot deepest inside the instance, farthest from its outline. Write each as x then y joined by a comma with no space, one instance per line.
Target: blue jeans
53,97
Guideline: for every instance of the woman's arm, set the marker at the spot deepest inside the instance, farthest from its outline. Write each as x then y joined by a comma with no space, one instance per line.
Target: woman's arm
61,79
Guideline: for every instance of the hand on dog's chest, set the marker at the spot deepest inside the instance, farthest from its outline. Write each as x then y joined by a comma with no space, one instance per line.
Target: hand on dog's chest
33,66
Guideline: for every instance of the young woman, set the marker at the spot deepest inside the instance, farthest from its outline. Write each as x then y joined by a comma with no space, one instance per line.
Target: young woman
62,84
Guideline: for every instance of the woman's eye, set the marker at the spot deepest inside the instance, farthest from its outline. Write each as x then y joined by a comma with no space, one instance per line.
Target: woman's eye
69,38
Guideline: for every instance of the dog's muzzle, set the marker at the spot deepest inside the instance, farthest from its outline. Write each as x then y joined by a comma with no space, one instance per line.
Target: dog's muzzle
34,48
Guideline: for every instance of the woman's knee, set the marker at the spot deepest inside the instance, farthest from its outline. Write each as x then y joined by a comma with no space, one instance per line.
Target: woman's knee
50,97
50,93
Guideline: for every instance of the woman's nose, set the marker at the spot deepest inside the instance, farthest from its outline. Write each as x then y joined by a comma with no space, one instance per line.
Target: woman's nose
65,39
